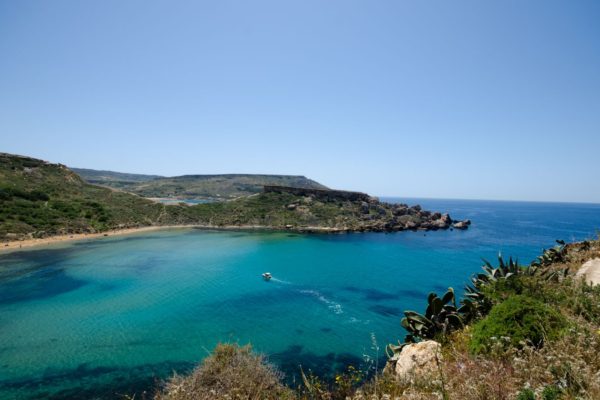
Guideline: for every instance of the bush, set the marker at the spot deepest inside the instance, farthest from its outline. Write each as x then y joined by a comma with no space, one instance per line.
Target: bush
517,320
230,372
551,393
526,394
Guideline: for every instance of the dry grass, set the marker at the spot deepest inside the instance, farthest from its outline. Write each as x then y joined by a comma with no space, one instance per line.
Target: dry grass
230,372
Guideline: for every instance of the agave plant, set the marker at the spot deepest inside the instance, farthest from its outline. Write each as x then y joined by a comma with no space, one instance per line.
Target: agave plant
504,270
556,254
441,317
475,304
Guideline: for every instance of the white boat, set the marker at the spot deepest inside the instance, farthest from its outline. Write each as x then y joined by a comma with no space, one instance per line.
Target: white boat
267,276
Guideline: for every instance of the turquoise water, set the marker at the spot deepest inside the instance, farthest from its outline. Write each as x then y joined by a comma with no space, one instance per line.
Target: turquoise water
98,318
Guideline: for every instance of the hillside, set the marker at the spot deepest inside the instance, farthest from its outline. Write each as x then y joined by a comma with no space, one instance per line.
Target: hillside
219,187
40,199
320,210
111,178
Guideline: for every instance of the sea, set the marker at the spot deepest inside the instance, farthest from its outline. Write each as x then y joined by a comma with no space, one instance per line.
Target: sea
117,316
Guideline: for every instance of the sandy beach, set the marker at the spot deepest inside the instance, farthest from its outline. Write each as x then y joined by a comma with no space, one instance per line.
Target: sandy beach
17,245
28,243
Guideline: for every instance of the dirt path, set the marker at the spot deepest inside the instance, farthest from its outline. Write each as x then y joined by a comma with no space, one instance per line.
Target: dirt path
591,271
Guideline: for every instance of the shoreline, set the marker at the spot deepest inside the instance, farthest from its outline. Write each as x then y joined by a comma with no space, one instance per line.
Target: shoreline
16,245
26,244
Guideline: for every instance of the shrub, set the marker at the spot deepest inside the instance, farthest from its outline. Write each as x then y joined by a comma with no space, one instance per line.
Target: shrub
526,394
517,320
230,372
551,393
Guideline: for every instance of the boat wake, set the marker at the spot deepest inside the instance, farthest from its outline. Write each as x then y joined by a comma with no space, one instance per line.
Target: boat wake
280,281
332,305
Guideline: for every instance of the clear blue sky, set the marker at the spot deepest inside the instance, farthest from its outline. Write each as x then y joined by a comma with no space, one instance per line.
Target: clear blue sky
452,99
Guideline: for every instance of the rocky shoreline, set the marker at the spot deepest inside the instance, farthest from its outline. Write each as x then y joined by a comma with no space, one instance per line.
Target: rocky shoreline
404,217
364,213
357,211
24,242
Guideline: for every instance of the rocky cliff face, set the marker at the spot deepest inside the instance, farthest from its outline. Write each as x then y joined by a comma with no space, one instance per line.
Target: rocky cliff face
380,216
359,212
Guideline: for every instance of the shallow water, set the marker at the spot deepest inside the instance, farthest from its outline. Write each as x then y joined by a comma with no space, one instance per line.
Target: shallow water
97,318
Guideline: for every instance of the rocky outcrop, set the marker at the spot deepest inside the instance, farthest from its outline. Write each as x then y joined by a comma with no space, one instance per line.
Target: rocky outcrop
462,224
416,361
590,271
359,212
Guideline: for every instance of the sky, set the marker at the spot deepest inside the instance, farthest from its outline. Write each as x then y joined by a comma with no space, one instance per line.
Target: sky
442,99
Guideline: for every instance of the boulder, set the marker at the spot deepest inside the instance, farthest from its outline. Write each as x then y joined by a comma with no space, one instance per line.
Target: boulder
439,224
364,207
399,211
410,225
416,361
590,271
461,224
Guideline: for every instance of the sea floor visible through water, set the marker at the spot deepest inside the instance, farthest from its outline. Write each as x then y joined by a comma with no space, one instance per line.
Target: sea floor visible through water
114,316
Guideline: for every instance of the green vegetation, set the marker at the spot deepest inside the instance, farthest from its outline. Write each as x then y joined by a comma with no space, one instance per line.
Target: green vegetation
219,187
39,199
526,394
111,178
441,317
518,321
277,209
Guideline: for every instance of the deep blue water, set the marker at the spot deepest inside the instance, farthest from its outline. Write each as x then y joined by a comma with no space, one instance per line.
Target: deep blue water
97,318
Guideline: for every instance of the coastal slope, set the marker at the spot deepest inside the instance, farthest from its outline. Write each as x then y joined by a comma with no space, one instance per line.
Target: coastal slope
321,210
40,199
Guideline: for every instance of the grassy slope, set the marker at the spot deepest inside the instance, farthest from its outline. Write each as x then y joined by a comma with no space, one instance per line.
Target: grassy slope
270,209
113,179
42,199
49,198
225,186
